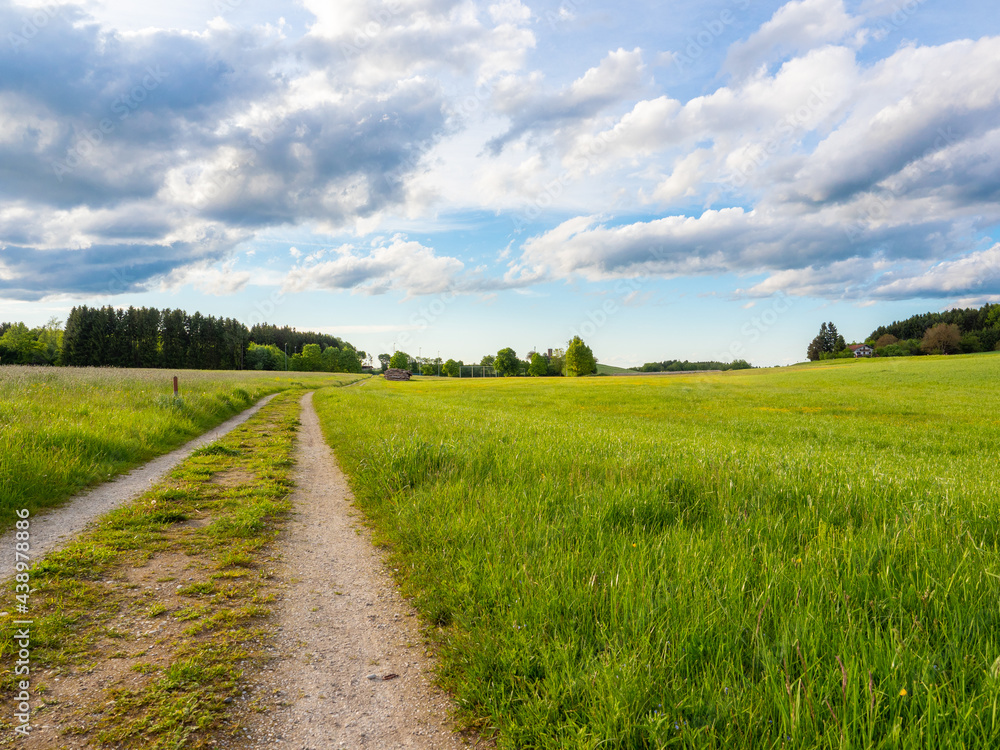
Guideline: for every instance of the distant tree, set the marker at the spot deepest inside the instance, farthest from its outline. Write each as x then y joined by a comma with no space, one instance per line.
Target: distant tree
451,369
50,337
556,362
349,359
970,344
267,357
580,359
487,361
818,345
506,363
828,341
539,366
23,345
175,339
942,338
383,360
312,358
886,339
428,368
400,360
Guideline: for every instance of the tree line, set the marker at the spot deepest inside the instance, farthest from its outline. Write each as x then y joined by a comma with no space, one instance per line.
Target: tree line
173,339
961,331
576,360
677,365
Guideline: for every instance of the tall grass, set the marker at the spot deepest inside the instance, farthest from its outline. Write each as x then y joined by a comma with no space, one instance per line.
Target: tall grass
804,557
62,429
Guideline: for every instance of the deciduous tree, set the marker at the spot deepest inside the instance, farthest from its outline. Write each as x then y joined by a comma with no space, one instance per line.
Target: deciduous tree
505,363
941,339
539,366
579,359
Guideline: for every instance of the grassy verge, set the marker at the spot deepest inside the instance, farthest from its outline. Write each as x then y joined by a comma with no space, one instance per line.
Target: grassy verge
144,625
63,429
805,558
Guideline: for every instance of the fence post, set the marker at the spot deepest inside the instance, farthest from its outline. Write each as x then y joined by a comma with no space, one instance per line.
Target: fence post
175,386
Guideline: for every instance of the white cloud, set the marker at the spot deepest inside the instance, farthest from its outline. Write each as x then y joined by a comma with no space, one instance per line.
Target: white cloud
510,11
218,281
400,265
975,273
796,27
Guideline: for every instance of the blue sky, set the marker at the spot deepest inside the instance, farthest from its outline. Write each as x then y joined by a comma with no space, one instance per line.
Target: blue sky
700,180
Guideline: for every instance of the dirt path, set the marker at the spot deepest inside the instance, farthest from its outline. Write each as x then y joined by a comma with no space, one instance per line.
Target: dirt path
350,669
51,529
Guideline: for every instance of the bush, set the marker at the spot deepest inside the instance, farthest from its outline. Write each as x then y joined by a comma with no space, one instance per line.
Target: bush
970,344
894,350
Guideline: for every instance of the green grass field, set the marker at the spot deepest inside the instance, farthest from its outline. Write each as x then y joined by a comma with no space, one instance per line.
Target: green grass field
804,558
62,429
603,369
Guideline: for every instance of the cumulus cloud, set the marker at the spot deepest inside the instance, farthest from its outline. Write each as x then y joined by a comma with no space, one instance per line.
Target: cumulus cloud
977,273
796,27
401,265
532,108
164,149
134,159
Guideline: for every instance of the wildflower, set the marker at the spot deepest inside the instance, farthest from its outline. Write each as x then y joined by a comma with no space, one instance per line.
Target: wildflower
903,693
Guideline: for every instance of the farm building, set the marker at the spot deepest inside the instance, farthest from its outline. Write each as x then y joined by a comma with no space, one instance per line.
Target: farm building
862,350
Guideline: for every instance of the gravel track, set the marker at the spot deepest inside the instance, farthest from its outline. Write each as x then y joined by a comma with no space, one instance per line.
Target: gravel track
350,669
53,528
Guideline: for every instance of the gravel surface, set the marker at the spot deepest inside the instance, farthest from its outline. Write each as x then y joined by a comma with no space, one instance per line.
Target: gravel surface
52,528
351,668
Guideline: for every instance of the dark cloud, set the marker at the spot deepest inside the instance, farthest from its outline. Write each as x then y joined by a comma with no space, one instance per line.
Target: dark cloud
104,269
146,137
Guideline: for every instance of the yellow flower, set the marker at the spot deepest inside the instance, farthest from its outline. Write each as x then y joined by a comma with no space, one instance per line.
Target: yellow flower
902,693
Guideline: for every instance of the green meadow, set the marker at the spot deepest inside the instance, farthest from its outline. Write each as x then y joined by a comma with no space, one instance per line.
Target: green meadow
63,429
802,557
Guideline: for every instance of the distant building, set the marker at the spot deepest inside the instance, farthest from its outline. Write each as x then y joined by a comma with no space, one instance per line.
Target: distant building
862,350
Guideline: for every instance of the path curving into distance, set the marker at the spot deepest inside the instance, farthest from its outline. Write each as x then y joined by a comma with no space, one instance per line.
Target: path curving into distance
53,528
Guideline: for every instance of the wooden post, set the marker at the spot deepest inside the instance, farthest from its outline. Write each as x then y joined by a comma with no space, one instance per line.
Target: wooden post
175,386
